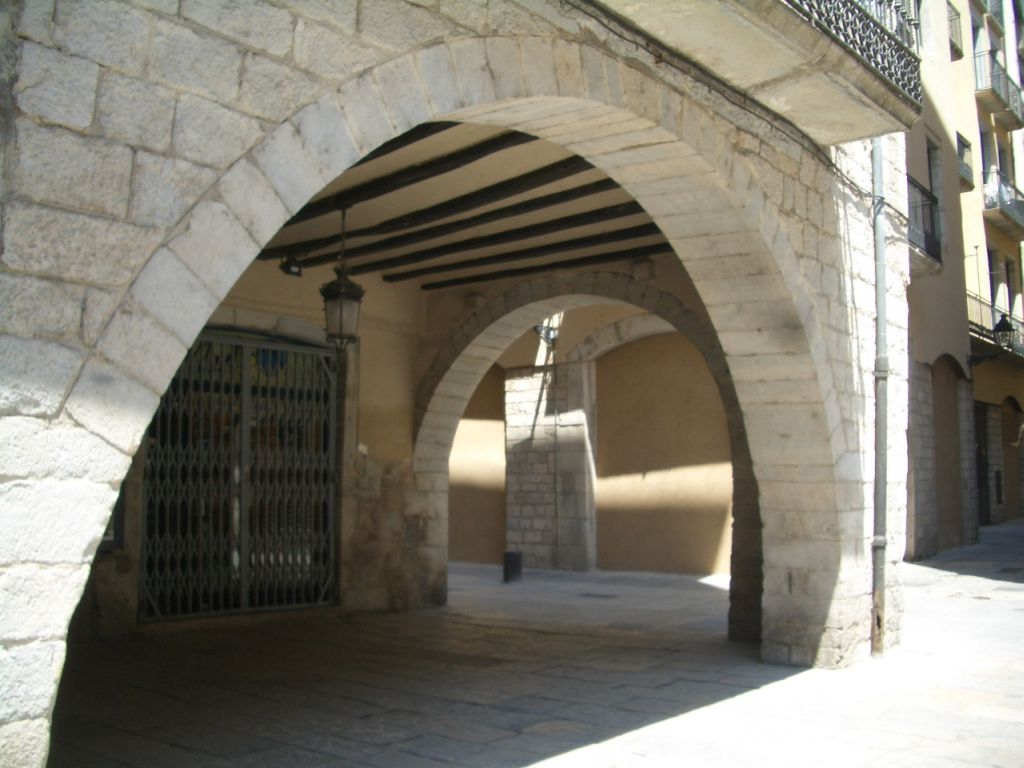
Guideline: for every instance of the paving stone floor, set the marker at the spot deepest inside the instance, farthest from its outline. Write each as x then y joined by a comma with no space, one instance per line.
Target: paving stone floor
561,670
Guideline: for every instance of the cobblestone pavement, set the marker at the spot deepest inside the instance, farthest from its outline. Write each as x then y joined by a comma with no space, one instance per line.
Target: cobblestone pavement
561,670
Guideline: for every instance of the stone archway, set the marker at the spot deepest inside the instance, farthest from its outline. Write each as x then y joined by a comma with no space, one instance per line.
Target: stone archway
79,390
456,373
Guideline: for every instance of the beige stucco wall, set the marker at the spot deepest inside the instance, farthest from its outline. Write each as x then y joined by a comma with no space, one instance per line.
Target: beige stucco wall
664,485
476,491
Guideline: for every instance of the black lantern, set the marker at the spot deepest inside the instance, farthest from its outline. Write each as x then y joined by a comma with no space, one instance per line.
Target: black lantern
341,300
341,307
1003,331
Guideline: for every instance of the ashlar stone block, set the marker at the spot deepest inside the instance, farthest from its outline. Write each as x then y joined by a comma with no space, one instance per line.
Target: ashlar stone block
72,246
254,23
164,188
332,54
204,64
35,375
33,307
289,167
325,133
57,166
439,76
28,677
105,31
56,87
274,91
58,521
403,93
38,600
60,450
136,112
209,133
364,109
25,743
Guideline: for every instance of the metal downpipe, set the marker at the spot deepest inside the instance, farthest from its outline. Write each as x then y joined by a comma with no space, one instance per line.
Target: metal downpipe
878,540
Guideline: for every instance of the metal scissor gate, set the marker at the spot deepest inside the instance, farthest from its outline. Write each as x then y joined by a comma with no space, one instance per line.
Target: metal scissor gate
240,481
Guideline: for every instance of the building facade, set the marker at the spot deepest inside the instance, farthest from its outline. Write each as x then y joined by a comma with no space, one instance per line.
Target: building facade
181,175
965,246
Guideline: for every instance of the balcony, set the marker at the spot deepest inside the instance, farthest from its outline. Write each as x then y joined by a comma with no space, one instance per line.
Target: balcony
923,228
965,163
996,92
956,40
982,315
994,8
1004,205
839,70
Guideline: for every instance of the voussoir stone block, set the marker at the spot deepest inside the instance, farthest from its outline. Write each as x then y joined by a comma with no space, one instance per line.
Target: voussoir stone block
325,133
35,375
289,167
56,87
173,294
56,166
112,405
435,66
215,246
403,93
253,200
476,85
361,102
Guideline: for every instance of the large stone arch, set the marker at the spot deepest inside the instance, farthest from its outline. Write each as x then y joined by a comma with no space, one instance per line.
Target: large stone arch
457,371
75,410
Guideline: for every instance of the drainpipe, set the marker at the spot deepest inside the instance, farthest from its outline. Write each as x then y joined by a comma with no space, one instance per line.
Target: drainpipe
878,540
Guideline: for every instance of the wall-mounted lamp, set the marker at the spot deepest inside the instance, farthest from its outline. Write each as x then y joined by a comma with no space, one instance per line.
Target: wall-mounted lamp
548,333
1002,332
291,266
342,299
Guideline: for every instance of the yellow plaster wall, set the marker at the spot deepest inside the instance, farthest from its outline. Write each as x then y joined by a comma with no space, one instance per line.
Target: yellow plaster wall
664,485
476,497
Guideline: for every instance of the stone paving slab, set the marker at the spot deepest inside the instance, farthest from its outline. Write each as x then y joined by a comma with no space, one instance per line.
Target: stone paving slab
560,670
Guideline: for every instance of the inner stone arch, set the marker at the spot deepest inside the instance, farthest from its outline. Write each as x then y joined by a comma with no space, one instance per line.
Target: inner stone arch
455,374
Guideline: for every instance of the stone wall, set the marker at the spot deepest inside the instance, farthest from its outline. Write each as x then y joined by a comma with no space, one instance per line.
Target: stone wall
152,148
549,471
922,522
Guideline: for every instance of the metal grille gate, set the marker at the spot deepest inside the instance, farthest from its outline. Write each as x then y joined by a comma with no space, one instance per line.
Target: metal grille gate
240,481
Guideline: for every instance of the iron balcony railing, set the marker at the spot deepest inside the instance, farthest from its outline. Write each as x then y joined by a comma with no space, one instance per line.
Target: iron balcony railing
990,77
982,315
881,33
924,230
956,40
1001,194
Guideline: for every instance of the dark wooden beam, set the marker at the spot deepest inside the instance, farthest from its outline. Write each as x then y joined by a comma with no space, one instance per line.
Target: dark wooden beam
616,236
412,174
596,216
584,261
448,228
413,135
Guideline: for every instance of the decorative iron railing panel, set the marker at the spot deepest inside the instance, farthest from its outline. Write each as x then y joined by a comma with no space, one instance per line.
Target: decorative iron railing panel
882,33
923,228
240,482
982,315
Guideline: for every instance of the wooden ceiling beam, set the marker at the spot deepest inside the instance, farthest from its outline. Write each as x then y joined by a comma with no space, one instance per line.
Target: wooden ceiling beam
412,174
595,216
616,236
555,266
443,230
